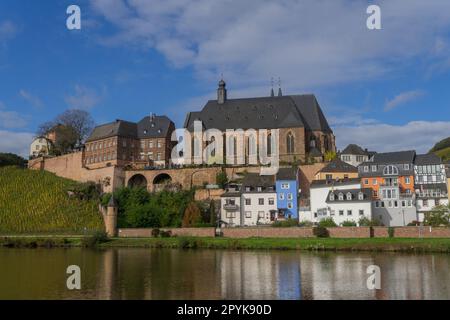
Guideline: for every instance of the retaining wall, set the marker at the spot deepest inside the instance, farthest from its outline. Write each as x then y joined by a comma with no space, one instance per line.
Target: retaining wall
180,232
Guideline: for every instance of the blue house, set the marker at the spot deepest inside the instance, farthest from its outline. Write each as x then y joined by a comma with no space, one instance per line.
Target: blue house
287,186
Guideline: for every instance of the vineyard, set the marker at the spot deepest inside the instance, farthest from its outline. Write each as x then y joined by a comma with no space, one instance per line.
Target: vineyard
36,202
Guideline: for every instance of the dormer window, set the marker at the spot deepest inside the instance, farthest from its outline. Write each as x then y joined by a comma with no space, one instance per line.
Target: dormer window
406,166
152,125
390,171
374,168
332,197
259,189
145,131
247,189
366,168
341,196
361,196
349,196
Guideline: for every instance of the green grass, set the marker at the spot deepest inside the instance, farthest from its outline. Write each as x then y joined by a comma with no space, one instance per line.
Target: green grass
36,202
308,244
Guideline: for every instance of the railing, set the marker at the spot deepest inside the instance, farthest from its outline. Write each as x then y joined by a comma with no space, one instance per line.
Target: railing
230,207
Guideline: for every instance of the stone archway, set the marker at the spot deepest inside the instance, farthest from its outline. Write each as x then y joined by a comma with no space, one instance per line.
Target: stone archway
161,181
137,181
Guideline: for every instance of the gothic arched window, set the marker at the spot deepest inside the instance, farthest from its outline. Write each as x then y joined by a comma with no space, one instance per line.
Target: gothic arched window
269,144
290,143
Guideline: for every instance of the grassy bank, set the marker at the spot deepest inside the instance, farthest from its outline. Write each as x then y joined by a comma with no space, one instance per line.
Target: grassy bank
314,244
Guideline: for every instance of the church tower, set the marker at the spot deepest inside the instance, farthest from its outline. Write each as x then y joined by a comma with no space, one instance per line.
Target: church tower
221,92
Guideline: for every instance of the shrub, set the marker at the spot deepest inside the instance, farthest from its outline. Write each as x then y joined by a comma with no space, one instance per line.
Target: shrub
349,223
285,223
166,234
391,232
187,243
305,224
221,179
94,239
155,232
365,222
439,216
321,232
327,223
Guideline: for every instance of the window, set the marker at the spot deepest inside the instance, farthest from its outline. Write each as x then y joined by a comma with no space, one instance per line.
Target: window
366,181
425,203
285,186
374,182
259,189
403,204
349,196
331,196
261,214
329,176
346,158
341,212
271,201
406,166
230,214
349,212
281,196
374,168
382,204
248,202
407,180
366,168
124,143
150,144
395,204
290,196
248,214
361,212
261,201
290,205
359,158
377,204
341,196
361,196
390,170
158,156
269,144
290,143
159,143
247,189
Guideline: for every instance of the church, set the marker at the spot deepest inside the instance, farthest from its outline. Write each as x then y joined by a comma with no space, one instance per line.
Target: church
304,132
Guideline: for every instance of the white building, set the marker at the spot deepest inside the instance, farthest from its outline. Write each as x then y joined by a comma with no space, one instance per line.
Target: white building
355,155
319,191
255,203
40,147
349,205
430,183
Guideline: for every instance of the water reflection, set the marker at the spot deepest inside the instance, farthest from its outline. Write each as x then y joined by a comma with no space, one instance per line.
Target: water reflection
209,274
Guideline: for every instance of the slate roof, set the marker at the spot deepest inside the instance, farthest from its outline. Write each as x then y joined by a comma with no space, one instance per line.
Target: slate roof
148,127
261,113
354,149
254,180
427,159
367,195
337,165
287,174
393,157
340,182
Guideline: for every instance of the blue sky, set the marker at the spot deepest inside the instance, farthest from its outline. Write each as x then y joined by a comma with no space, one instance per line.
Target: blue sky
384,89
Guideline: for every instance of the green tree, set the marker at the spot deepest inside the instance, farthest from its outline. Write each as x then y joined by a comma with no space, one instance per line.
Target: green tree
221,179
349,223
330,156
10,159
437,217
327,222
212,213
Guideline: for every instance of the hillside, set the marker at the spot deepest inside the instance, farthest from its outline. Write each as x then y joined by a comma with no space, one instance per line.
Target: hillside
442,149
37,202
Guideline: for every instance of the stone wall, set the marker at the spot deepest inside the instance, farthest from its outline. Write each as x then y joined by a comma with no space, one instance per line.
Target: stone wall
267,232
422,232
180,232
349,232
208,194
380,232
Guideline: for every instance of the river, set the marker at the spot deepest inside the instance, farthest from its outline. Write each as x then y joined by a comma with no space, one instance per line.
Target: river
126,273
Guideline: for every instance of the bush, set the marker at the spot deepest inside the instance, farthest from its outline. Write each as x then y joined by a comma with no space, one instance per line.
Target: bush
155,232
327,223
285,223
365,222
305,224
391,232
166,234
95,239
439,216
349,223
187,243
321,232
221,179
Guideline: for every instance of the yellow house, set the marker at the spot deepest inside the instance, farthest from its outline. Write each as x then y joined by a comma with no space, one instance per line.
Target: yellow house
337,169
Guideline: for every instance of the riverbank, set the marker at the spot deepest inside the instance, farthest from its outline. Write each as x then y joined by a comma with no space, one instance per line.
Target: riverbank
309,244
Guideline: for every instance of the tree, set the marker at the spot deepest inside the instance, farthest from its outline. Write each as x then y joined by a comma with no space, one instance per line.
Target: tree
438,216
192,215
10,159
330,156
327,222
221,179
71,127
212,213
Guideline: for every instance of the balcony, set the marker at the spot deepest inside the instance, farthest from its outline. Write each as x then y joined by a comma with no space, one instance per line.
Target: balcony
230,207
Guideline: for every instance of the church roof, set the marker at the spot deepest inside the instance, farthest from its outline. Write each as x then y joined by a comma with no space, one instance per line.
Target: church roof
261,113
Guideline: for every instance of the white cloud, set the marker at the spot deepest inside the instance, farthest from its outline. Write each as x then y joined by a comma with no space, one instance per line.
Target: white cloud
15,142
84,98
33,100
417,135
11,119
306,43
403,98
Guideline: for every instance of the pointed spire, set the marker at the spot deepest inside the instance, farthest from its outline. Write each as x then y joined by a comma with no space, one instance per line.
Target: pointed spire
272,93
280,94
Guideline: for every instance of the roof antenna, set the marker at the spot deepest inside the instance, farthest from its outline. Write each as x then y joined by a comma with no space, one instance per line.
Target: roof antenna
279,87
272,94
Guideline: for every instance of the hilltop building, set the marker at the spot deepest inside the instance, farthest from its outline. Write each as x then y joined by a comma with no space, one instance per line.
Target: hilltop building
121,143
303,129
337,169
355,155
